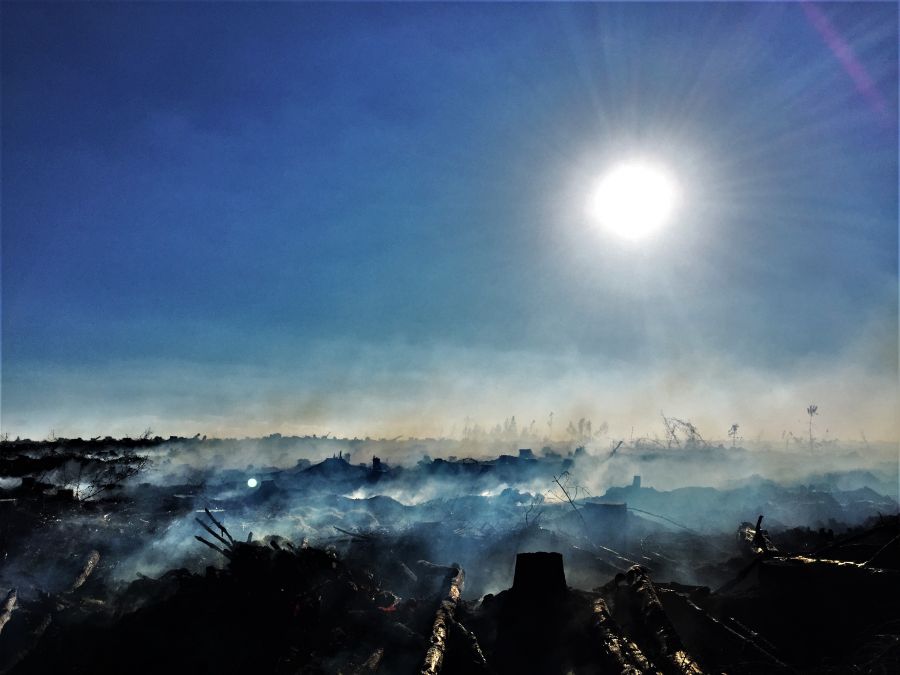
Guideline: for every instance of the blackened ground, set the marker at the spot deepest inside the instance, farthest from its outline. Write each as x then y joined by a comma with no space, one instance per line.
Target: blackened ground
267,611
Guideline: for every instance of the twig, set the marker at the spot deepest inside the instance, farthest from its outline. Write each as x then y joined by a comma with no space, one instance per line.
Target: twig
569,499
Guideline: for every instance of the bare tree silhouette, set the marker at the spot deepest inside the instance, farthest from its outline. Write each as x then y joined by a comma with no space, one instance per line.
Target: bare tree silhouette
812,410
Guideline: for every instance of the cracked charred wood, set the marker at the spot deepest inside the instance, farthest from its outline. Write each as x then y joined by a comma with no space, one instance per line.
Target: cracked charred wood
7,608
647,609
618,654
443,619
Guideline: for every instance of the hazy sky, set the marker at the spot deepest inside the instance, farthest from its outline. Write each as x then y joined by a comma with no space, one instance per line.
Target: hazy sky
365,218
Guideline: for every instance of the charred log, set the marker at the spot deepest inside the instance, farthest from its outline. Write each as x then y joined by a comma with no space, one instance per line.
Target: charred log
7,608
443,619
617,653
90,564
654,625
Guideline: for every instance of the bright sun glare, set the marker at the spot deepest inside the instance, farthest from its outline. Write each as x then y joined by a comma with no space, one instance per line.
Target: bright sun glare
634,200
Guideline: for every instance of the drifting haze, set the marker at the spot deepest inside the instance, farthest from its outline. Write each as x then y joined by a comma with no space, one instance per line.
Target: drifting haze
369,219
405,390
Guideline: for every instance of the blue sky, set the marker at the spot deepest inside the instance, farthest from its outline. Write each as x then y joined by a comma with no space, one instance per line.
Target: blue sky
254,217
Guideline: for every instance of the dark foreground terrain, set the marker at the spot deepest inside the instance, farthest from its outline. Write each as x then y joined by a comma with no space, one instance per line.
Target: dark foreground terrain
153,556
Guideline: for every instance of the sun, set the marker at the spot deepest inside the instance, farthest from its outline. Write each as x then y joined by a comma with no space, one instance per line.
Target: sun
634,200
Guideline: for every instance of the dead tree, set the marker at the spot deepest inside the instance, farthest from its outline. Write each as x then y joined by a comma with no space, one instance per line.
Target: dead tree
812,411
733,433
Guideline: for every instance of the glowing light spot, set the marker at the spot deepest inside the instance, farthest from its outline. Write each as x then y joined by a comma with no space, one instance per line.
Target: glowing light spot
634,200
252,483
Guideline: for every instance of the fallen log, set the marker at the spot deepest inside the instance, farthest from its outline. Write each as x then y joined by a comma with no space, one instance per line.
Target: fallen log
6,609
443,619
618,653
647,609
92,560
52,605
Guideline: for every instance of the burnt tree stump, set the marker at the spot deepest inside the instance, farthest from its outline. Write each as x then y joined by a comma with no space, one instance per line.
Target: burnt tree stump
539,574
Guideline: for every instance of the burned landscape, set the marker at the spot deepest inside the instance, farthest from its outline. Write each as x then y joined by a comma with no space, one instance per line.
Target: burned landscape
449,338
173,555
